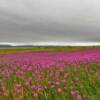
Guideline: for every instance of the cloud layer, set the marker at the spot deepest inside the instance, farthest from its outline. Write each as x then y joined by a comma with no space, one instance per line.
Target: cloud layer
24,21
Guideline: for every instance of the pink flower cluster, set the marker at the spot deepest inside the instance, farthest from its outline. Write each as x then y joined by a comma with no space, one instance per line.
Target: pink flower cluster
50,59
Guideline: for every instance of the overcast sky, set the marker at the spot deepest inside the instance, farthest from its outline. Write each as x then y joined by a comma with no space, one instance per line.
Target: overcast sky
24,21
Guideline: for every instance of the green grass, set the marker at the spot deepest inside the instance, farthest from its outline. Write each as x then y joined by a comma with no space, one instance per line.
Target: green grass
48,49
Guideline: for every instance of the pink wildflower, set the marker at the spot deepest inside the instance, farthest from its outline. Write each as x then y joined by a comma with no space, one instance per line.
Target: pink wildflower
79,97
35,95
59,90
73,93
66,75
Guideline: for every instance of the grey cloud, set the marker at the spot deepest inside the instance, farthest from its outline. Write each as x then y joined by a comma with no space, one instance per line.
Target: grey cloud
49,20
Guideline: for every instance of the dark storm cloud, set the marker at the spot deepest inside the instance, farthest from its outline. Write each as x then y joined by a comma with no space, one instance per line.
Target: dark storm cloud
50,20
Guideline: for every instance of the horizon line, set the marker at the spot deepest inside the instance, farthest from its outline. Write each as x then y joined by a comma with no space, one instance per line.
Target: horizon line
52,43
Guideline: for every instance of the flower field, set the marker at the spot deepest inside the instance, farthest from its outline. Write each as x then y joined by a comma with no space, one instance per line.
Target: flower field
57,75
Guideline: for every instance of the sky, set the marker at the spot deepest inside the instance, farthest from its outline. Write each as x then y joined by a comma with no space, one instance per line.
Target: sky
61,21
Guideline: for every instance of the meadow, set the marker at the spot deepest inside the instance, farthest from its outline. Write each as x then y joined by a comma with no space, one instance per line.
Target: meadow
50,73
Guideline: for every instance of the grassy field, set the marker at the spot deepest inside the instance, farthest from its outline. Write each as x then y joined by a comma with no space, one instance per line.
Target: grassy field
43,49
21,80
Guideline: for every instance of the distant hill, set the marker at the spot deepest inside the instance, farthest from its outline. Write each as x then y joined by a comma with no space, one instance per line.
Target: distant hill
5,46
19,46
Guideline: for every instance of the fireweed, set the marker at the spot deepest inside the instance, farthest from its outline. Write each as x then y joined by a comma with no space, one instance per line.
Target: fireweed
50,75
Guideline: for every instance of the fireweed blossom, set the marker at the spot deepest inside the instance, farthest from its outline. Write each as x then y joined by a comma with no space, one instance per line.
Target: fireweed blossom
53,75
